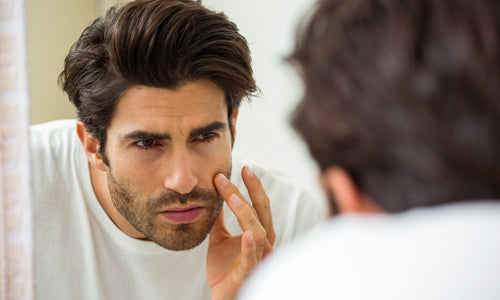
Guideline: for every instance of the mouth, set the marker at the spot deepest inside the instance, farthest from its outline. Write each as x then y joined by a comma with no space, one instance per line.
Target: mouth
183,215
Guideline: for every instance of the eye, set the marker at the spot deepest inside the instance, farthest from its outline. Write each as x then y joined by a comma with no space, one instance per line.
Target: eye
146,144
205,137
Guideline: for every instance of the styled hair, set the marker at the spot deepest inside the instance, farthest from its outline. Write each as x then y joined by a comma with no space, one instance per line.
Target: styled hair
405,96
156,43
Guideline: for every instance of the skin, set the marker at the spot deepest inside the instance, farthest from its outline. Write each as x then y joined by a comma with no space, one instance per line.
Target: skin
230,259
349,199
162,147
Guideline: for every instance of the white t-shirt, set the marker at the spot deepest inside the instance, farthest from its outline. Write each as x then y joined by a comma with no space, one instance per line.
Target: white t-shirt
81,254
447,252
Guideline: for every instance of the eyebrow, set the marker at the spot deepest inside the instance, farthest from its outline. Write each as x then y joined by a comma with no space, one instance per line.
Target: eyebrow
215,126
146,135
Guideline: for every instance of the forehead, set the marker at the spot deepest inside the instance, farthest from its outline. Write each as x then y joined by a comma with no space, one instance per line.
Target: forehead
194,104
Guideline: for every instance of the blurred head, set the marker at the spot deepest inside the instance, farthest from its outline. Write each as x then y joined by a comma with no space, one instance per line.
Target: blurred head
404,95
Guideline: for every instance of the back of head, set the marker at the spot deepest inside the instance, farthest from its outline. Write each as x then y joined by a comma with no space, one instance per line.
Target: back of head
405,96
157,43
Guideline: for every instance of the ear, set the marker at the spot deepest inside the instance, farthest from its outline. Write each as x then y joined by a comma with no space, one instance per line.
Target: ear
349,198
90,146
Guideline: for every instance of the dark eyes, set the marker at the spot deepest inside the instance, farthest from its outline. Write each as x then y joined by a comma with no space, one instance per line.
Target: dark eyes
205,137
147,144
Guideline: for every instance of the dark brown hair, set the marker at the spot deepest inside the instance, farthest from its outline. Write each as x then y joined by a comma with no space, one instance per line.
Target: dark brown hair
405,96
157,43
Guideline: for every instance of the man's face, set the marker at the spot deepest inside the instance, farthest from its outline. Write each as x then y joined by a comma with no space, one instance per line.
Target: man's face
164,147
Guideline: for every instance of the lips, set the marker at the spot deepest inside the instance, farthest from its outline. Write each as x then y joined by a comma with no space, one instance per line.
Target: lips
182,215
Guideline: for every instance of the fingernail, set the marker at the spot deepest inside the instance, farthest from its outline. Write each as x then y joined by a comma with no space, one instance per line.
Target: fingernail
250,238
248,172
223,180
235,200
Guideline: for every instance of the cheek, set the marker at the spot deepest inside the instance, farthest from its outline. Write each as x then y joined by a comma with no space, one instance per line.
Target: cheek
214,161
134,164
137,177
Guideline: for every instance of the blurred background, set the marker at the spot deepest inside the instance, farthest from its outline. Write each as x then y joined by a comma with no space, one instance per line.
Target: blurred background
263,130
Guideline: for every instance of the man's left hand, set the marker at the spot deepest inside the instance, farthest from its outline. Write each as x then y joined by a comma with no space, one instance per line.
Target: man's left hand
230,259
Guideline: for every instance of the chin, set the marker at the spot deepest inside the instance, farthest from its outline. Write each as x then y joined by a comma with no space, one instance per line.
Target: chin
183,237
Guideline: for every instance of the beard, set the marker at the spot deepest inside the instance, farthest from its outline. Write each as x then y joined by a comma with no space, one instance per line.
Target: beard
143,214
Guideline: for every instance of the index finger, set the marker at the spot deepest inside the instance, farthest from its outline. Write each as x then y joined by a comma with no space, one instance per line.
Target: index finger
245,213
226,188
260,201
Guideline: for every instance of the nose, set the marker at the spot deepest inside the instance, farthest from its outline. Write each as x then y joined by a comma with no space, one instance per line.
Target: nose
181,176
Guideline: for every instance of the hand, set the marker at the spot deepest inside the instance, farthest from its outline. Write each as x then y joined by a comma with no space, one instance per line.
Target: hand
230,259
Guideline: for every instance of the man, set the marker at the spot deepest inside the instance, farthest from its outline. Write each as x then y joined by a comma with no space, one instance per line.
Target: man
125,200
401,111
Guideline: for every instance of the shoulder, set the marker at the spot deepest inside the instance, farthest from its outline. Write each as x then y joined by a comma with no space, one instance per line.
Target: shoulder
54,126
430,251
273,181
296,271
52,133
294,209
281,190
55,150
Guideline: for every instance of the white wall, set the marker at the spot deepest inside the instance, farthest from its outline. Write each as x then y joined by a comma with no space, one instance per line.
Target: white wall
263,128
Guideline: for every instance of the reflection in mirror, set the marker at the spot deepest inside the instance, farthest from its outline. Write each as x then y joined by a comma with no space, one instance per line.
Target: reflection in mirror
108,192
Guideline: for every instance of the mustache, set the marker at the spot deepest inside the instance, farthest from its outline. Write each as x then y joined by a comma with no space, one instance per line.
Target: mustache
169,197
